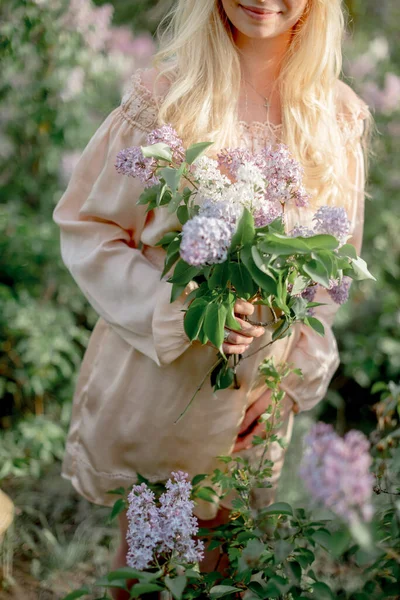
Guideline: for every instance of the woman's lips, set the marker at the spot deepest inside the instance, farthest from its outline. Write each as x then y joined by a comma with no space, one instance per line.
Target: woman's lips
258,13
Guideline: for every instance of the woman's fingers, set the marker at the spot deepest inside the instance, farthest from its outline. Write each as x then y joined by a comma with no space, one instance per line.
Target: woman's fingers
242,307
245,442
254,412
249,329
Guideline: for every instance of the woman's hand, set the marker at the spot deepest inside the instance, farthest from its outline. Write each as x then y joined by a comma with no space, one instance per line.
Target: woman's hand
250,425
237,342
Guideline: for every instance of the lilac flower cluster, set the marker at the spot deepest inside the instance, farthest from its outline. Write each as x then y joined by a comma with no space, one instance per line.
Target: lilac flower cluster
205,241
339,292
168,528
167,135
332,220
131,161
336,472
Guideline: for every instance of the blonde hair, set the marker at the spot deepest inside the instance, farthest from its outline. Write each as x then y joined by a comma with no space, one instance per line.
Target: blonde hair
199,57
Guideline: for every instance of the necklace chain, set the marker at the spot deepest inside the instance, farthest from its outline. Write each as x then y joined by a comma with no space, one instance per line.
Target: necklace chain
266,100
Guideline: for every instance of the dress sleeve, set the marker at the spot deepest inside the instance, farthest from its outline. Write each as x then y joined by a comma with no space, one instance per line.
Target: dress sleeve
316,356
100,228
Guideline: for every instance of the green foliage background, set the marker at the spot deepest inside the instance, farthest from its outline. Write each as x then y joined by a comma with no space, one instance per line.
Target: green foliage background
44,320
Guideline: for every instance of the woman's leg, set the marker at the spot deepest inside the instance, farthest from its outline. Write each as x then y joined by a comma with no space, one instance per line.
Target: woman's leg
213,559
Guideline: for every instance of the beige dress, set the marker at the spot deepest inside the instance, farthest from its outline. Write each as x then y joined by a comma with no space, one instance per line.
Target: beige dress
139,369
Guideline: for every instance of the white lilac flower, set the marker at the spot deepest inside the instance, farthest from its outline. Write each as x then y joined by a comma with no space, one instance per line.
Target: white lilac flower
167,135
131,162
144,529
230,212
336,472
205,241
249,173
339,292
178,523
332,220
211,182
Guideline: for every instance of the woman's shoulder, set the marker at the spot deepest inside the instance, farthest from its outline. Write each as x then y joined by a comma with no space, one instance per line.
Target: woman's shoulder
349,104
352,111
140,102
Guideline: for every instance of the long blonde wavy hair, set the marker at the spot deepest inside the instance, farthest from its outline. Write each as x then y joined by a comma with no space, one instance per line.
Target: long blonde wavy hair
200,59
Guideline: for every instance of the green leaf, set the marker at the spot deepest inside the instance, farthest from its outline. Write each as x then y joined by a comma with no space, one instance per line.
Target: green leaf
198,479
207,493
149,194
360,270
293,570
124,573
194,318
183,214
167,238
299,285
118,491
158,151
321,242
183,273
327,260
282,245
321,591
278,508
265,282
315,324
176,585
174,202
77,594
224,379
176,291
322,537
214,324
245,231
171,177
218,591
241,280
119,506
172,255
317,272
281,331
219,277
347,250
144,588
231,321
196,150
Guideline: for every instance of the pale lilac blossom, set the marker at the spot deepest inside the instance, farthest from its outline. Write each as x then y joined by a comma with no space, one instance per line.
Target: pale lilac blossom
144,530
230,212
165,529
301,231
167,135
266,213
205,241
332,220
339,292
233,158
336,472
178,523
131,162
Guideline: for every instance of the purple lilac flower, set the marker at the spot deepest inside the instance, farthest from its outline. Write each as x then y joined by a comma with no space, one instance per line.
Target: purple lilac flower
309,293
301,231
336,472
233,158
167,135
339,292
266,213
144,529
131,162
178,523
332,220
284,175
205,241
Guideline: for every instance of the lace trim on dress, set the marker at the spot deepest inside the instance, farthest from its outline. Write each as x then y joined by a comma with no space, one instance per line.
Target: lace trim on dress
140,108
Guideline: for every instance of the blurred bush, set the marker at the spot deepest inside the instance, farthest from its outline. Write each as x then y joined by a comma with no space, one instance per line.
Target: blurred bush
65,64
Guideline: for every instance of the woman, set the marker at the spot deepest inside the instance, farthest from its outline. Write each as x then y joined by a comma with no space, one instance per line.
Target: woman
245,73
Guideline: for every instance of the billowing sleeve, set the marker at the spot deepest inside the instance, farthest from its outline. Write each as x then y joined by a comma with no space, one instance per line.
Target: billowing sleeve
316,356
100,228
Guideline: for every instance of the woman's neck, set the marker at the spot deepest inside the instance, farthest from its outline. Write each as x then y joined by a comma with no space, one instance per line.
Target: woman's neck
261,59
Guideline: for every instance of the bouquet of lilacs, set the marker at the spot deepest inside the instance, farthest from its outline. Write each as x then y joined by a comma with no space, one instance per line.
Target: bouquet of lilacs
233,242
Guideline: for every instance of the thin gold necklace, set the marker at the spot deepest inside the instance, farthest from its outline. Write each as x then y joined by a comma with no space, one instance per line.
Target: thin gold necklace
266,100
